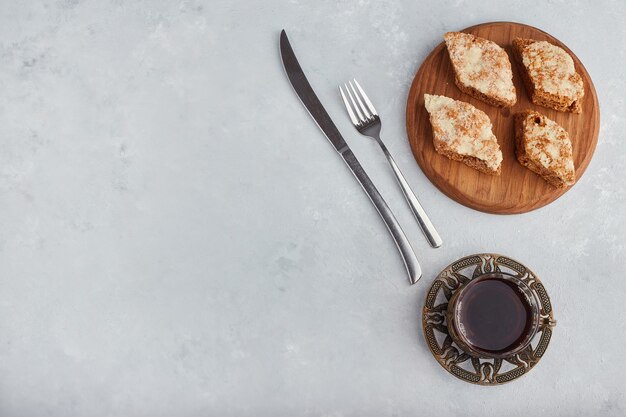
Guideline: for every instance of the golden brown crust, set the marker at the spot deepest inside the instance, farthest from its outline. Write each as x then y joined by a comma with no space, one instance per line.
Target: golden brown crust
520,151
463,133
470,161
492,60
540,97
480,96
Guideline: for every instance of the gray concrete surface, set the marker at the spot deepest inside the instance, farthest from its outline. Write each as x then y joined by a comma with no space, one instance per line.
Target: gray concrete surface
178,239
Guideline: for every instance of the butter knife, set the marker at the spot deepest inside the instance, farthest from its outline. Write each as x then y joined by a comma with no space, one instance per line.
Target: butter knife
313,105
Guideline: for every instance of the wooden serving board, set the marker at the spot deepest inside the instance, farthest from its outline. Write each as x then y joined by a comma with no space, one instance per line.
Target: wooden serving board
517,189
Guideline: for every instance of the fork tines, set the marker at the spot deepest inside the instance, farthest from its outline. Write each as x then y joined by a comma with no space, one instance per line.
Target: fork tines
366,112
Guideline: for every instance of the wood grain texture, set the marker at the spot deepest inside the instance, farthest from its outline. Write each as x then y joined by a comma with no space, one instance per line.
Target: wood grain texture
517,189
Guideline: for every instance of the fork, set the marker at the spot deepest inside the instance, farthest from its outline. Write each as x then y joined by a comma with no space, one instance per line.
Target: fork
365,119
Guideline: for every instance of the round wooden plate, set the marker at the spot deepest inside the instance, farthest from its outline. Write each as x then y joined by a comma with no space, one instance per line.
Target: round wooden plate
517,189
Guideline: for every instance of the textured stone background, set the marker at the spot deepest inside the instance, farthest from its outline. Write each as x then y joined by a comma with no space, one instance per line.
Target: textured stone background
178,239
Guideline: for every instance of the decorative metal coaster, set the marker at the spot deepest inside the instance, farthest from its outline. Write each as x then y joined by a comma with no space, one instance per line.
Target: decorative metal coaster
449,355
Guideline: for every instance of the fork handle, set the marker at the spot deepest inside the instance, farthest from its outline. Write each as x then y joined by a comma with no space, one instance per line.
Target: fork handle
406,251
418,211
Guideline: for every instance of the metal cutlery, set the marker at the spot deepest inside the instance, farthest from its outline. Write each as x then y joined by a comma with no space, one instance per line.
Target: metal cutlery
310,101
367,122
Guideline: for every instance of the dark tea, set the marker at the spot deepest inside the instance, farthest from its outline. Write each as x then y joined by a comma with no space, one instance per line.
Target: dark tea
493,315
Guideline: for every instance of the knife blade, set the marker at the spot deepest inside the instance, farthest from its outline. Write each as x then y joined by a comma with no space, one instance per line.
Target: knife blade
309,99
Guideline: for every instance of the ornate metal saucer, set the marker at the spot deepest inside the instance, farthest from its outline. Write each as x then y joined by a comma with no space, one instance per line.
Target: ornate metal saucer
464,366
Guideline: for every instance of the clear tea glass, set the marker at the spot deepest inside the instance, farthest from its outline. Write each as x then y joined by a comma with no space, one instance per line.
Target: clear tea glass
495,315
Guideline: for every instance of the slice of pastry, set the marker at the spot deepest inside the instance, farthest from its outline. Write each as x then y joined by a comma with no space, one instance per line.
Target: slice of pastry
482,69
463,133
544,147
549,75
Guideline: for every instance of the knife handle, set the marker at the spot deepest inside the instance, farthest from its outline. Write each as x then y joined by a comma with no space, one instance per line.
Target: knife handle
406,251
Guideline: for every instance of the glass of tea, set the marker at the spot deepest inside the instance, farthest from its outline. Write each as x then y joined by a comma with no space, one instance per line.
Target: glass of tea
495,315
